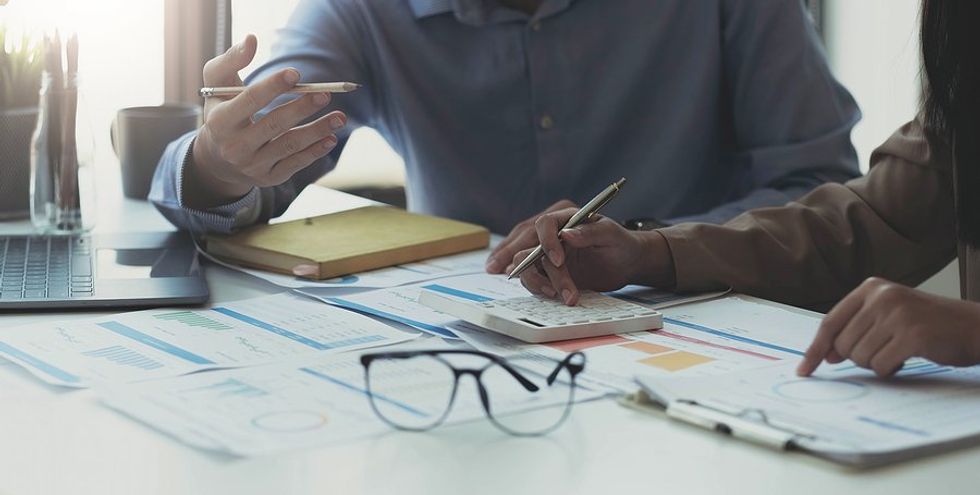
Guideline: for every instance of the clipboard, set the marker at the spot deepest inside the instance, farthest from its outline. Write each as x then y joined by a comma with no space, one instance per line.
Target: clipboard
758,425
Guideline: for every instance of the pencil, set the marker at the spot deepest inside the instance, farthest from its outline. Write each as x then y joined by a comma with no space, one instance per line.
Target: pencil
327,87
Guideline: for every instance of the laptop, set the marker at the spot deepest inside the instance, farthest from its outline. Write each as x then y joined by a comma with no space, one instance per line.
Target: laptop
100,271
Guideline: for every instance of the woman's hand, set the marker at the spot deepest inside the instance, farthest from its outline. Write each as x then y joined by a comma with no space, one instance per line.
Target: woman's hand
881,324
601,255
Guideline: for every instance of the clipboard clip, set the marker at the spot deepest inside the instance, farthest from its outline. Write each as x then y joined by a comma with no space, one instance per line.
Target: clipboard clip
751,425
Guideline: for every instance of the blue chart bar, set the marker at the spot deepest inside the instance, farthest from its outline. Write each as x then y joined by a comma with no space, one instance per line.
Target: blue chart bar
442,332
458,293
737,338
154,342
272,328
126,357
39,364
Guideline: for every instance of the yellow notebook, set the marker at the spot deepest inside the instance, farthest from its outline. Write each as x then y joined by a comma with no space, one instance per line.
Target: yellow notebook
348,242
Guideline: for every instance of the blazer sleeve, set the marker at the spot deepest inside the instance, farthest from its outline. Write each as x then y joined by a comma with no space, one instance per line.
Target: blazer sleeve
897,222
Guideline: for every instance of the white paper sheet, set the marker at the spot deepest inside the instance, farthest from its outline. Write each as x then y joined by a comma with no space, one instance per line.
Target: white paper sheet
271,409
168,342
401,303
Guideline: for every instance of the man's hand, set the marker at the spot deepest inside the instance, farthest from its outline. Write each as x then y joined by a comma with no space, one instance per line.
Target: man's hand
601,255
234,153
881,324
521,237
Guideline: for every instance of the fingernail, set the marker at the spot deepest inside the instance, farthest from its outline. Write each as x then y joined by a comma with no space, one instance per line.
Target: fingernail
292,76
566,296
336,122
305,270
555,257
320,99
329,142
564,232
491,265
548,291
801,370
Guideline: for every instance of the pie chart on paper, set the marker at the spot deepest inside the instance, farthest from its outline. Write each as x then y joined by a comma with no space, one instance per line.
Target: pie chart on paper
290,421
820,390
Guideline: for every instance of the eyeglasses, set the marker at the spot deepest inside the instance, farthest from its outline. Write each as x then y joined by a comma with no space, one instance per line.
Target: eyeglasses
524,396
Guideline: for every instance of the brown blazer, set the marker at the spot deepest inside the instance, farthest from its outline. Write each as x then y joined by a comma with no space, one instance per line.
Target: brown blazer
897,222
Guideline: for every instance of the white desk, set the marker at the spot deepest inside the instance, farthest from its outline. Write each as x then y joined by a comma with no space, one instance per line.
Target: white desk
59,443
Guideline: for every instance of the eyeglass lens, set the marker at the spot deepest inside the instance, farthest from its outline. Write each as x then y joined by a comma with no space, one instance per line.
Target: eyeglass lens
416,393
413,393
520,411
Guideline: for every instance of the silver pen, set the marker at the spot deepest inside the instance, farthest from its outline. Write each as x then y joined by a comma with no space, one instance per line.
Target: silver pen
584,213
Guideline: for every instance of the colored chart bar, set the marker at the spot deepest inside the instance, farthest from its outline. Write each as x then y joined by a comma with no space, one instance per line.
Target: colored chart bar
647,348
125,357
272,328
154,342
193,319
676,361
573,345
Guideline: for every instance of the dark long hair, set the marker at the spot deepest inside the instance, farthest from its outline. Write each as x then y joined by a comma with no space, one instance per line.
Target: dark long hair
951,57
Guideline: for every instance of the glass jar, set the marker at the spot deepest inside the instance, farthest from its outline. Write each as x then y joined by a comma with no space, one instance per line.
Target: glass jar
62,150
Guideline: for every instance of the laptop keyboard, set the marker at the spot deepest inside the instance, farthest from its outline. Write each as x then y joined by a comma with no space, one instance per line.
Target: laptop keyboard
45,268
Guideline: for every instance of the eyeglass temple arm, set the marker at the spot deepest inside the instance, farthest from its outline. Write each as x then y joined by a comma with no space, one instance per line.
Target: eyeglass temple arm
528,384
574,369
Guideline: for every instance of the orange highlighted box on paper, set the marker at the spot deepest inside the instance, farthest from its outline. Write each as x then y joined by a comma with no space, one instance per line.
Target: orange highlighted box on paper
676,361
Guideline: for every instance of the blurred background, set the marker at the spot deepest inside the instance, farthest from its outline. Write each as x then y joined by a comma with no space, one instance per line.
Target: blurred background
145,52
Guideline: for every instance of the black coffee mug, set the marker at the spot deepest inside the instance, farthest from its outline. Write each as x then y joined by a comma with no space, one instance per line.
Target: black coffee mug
139,136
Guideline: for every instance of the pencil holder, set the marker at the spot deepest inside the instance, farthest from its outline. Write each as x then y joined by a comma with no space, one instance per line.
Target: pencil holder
62,183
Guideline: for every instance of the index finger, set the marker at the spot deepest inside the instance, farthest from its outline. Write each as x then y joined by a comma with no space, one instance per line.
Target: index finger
832,324
547,227
258,95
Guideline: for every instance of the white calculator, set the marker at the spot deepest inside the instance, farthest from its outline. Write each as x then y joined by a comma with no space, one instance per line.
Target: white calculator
536,319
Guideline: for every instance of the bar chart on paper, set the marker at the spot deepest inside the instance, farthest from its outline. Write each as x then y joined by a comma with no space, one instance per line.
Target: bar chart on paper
125,357
193,319
159,343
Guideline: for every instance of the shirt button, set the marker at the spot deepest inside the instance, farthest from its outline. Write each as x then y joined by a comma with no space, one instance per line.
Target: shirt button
536,26
547,122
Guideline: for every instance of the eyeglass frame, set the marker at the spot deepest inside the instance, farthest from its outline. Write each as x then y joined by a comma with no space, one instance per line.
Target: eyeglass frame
574,369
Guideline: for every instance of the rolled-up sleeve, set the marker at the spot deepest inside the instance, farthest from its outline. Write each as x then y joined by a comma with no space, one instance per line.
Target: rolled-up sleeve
792,119
166,194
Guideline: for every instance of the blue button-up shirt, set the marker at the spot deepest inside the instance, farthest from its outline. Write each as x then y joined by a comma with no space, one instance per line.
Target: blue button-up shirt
708,107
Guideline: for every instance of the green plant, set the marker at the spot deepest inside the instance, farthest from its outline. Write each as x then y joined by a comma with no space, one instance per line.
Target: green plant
21,64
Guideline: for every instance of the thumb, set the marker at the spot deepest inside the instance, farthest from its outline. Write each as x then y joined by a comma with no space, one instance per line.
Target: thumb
223,69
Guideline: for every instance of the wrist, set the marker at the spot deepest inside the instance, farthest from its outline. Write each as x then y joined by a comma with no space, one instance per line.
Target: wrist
203,189
654,263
